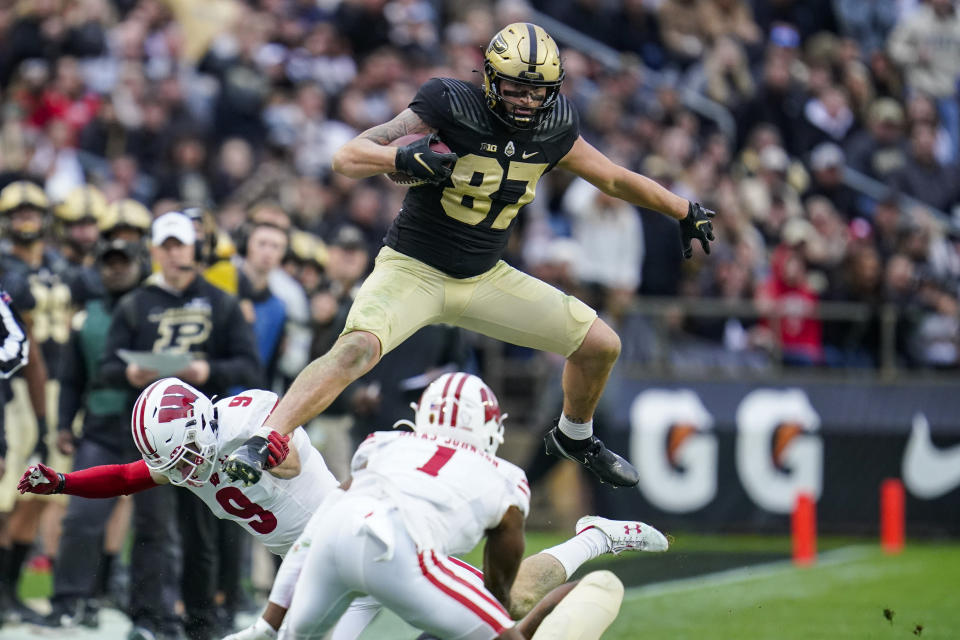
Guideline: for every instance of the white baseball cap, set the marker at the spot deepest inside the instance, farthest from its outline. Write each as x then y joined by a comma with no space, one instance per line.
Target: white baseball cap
173,225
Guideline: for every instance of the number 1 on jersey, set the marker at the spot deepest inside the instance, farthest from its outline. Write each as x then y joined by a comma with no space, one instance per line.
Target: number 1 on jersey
437,460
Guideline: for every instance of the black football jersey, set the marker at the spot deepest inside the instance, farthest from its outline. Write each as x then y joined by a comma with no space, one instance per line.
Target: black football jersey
44,294
461,226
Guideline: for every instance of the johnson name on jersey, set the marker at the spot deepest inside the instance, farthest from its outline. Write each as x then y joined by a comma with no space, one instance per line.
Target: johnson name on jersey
274,510
449,492
461,226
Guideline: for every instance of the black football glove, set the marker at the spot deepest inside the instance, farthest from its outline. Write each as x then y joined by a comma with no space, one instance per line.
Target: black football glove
420,161
247,461
696,226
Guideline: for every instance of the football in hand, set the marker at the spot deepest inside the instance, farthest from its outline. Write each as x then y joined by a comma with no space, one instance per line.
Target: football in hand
405,179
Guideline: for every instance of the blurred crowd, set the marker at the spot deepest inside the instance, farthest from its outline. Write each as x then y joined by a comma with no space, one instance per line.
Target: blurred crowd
228,105
114,112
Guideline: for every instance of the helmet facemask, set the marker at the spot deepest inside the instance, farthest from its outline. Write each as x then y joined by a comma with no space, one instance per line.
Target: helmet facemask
192,462
174,426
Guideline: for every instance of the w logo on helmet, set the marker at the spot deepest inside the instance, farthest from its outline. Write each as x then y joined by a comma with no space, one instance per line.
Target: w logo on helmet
176,403
491,409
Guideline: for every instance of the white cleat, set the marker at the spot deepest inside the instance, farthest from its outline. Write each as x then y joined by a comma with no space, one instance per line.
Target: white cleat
259,630
625,535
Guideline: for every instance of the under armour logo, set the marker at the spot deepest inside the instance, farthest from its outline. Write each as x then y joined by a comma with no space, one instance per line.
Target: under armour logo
626,528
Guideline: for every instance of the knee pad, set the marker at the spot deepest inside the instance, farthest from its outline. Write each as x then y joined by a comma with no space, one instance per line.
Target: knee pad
586,612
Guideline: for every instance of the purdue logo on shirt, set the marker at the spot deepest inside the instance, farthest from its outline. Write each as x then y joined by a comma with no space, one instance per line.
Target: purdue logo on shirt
178,330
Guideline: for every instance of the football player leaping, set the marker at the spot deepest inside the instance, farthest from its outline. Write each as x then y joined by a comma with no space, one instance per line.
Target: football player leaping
416,497
441,262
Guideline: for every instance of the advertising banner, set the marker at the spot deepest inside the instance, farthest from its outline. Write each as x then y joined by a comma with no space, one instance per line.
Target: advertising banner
734,456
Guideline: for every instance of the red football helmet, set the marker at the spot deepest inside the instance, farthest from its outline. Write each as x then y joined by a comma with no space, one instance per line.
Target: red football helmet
174,428
461,406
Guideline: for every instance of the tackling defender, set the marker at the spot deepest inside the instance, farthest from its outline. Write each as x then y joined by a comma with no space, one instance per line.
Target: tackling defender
441,262
183,438
416,497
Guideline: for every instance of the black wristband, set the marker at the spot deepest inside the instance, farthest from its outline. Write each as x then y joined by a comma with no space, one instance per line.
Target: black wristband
60,484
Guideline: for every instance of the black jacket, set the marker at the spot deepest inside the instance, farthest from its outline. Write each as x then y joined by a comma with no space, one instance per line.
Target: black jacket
202,319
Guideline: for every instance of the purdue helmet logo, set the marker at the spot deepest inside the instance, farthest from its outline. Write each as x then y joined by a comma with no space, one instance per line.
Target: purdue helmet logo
498,45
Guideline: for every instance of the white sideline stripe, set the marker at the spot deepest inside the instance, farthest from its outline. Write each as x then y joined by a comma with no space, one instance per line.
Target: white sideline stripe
745,574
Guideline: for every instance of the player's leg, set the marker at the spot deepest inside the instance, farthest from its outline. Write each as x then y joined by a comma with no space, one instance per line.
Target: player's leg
595,536
579,610
55,509
333,551
351,624
399,297
198,532
20,529
515,307
155,566
582,614
75,574
430,592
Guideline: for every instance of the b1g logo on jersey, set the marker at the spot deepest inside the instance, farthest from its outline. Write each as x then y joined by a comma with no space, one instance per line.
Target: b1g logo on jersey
778,453
674,449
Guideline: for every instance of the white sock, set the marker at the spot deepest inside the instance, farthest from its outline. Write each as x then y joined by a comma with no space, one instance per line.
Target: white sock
588,545
575,430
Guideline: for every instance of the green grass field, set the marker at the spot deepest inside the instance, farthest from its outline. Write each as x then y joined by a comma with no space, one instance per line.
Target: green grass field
745,587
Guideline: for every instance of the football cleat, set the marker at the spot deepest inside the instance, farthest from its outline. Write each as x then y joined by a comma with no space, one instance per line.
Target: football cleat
603,463
19,612
625,535
259,630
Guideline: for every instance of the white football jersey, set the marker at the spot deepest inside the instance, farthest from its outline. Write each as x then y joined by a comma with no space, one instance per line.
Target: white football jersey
448,492
274,510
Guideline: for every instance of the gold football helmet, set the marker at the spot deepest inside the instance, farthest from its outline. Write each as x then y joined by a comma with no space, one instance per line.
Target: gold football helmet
18,195
525,54
126,214
83,203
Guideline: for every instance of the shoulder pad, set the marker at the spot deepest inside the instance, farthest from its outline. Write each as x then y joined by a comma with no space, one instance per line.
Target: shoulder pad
559,122
467,106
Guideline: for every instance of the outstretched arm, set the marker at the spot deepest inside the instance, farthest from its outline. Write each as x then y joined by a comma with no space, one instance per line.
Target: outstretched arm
594,167
614,180
104,481
368,153
502,554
